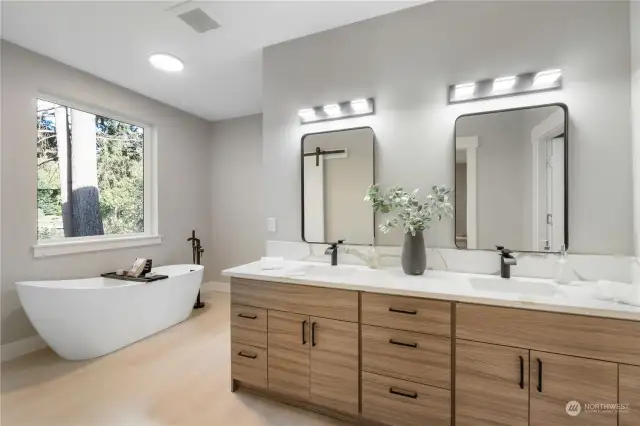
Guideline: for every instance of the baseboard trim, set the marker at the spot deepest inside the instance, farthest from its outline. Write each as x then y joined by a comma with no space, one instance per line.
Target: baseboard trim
215,286
22,347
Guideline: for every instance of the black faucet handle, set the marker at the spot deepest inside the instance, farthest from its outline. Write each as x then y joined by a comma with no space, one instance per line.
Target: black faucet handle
504,251
341,241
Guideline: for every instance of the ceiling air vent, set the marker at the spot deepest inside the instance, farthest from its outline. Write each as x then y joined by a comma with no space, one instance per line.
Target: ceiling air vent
199,20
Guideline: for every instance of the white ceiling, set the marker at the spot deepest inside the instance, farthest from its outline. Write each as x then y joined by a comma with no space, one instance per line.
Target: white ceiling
223,70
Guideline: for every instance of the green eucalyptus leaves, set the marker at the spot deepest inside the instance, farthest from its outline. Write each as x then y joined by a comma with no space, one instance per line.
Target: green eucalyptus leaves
414,215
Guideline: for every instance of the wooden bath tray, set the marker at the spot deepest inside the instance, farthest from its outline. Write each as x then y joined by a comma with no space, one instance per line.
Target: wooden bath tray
114,276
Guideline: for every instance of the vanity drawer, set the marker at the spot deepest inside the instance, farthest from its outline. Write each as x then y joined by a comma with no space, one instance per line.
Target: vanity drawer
417,357
249,325
407,313
402,403
249,364
589,337
315,301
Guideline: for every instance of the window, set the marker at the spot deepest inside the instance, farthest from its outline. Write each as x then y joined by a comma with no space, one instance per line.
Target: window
91,179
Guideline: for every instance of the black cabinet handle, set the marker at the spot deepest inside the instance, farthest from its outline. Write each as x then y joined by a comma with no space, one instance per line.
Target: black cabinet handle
304,326
247,316
253,356
406,394
313,334
402,311
408,345
539,375
521,373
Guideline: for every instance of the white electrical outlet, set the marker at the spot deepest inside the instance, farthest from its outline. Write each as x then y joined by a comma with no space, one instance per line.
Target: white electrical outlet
271,224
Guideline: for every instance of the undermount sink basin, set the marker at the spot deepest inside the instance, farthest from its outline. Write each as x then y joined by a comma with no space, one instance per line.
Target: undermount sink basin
514,286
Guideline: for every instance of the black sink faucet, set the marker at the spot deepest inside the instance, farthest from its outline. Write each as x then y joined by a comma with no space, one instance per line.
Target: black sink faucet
333,251
506,261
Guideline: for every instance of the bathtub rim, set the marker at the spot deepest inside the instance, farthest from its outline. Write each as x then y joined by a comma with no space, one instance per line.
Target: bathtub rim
46,284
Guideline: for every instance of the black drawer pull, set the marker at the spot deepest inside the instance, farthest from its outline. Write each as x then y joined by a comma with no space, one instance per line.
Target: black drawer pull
521,373
539,375
247,316
408,345
402,311
252,356
313,334
304,326
406,394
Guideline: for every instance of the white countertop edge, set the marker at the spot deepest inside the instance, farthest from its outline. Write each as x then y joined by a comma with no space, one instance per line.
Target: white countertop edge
490,301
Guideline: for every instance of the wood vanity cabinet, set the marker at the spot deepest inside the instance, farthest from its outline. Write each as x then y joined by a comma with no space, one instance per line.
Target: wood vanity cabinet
403,361
492,385
630,395
558,379
518,367
312,346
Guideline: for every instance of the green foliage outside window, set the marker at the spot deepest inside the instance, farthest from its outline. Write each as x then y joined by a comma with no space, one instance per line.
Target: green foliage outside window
120,159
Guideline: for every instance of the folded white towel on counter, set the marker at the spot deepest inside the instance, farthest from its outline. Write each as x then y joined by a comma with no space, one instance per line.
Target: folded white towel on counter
267,263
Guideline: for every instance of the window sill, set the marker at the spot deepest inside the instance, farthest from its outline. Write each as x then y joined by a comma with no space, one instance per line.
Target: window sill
84,245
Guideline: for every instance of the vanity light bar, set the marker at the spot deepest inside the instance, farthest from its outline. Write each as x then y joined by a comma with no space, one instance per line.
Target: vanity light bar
336,111
506,86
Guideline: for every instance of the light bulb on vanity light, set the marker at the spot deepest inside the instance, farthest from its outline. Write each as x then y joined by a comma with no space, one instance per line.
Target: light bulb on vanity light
360,106
546,78
504,84
307,114
332,110
464,90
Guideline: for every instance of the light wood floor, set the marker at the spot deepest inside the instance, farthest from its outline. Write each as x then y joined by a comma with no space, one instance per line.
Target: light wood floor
177,377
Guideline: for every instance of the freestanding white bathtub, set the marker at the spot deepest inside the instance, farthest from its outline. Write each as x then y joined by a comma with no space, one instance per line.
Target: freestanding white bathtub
88,318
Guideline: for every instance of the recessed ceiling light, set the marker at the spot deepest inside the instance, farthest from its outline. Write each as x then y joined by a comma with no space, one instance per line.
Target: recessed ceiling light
166,62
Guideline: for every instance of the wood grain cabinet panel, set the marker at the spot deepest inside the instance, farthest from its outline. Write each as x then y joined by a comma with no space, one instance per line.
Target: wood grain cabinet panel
589,337
307,300
558,379
249,325
249,364
407,313
492,385
406,355
335,364
288,354
401,403
630,395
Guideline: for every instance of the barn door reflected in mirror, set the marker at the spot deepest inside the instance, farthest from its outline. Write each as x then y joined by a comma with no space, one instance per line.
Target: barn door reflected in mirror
337,169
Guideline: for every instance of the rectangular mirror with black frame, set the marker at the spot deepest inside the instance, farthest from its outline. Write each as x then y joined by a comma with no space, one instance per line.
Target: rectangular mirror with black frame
511,179
337,169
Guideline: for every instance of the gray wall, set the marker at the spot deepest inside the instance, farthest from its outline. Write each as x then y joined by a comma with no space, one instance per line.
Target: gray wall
406,60
183,177
635,114
238,220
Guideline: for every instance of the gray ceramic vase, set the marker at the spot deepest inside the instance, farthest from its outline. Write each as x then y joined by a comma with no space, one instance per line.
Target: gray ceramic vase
414,255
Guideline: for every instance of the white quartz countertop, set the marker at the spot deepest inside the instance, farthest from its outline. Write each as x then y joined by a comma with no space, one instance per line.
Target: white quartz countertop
583,298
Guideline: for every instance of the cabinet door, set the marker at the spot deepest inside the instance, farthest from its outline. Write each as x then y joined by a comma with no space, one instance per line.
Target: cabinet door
557,380
629,395
334,364
492,385
288,353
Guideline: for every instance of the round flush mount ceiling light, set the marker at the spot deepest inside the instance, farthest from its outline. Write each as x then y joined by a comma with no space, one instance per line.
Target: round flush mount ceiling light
166,62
